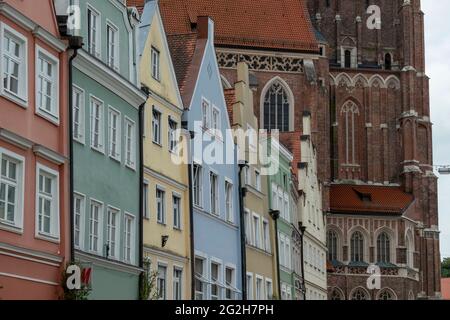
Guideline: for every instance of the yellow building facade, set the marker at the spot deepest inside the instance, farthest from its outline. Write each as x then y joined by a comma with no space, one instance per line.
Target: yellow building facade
166,236
261,265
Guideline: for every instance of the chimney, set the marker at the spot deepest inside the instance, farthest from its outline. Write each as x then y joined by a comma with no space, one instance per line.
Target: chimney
204,27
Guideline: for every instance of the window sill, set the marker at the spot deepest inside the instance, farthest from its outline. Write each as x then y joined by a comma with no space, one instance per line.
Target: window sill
101,151
47,237
11,228
116,159
23,102
48,116
79,140
178,229
133,168
162,223
157,143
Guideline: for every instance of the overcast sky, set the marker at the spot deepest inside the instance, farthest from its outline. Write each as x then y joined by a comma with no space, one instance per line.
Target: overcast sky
437,33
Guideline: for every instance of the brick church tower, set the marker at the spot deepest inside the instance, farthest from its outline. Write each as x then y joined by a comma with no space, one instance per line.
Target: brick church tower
381,145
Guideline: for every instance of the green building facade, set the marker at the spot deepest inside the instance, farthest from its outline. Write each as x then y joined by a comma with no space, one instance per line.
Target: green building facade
105,103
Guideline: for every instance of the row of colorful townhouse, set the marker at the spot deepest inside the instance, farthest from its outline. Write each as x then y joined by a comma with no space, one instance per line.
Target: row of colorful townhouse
125,165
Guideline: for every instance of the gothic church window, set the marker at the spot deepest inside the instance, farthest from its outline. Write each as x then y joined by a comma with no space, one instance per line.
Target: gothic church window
383,248
359,294
277,108
357,247
350,113
332,245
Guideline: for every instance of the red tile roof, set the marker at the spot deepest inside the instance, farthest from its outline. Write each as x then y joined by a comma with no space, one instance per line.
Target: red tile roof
445,288
368,199
230,99
139,4
260,24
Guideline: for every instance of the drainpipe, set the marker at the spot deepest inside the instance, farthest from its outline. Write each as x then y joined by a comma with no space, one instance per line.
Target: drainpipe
275,214
242,194
302,232
141,193
75,43
184,125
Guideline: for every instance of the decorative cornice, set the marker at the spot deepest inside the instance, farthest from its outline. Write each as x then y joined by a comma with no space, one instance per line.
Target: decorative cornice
165,179
15,139
108,78
110,264
165,254
48,154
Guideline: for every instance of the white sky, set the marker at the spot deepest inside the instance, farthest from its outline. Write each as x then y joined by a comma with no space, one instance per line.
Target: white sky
437,34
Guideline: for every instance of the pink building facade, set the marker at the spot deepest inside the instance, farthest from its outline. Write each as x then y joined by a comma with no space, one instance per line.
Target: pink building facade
34,166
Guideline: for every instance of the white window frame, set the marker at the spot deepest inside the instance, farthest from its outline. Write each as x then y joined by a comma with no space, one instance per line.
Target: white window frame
215,123
131,145
259,295
203,277
112,111
250,286
81,114
179,211
98,40
129,217
100,206
156,124
155,63
21,98
54,233
229,205
231,287
214,197
82,214
256,234
269,293
248,227
172,136
163,218
199,188
116,45
146,199
52,114
101,129
158,289
206,114
177,281
266,235
218,282
116,240
257,180
19,160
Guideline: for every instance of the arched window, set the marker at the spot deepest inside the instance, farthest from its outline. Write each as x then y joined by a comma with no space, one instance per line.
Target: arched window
350,113
336,295
386,295
348,59
357,247
276,108
388,61
359,294
332,245
411,296
409,250
383,248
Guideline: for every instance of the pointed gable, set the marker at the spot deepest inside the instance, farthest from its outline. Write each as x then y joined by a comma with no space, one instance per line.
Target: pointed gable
153,37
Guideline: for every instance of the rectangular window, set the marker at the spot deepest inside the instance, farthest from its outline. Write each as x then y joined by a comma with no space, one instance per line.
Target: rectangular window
111,233
214,184
94,32
249,286
248,227
205,114
14,62
269,289
215,281
79,208
259,288
155,64
230,280
129,238
78,114
145,205
177,283
47,84
200,279
97,135
229,201
256,231
156,126
215,119
11,189
176,212
47,202
266,235
198,185
282,248
130,144
257,180
161,282
114,134
112,54
172,135
160,206
95,227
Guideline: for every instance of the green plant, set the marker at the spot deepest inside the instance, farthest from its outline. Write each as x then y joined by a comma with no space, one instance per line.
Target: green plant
74,294
445,268
148,278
